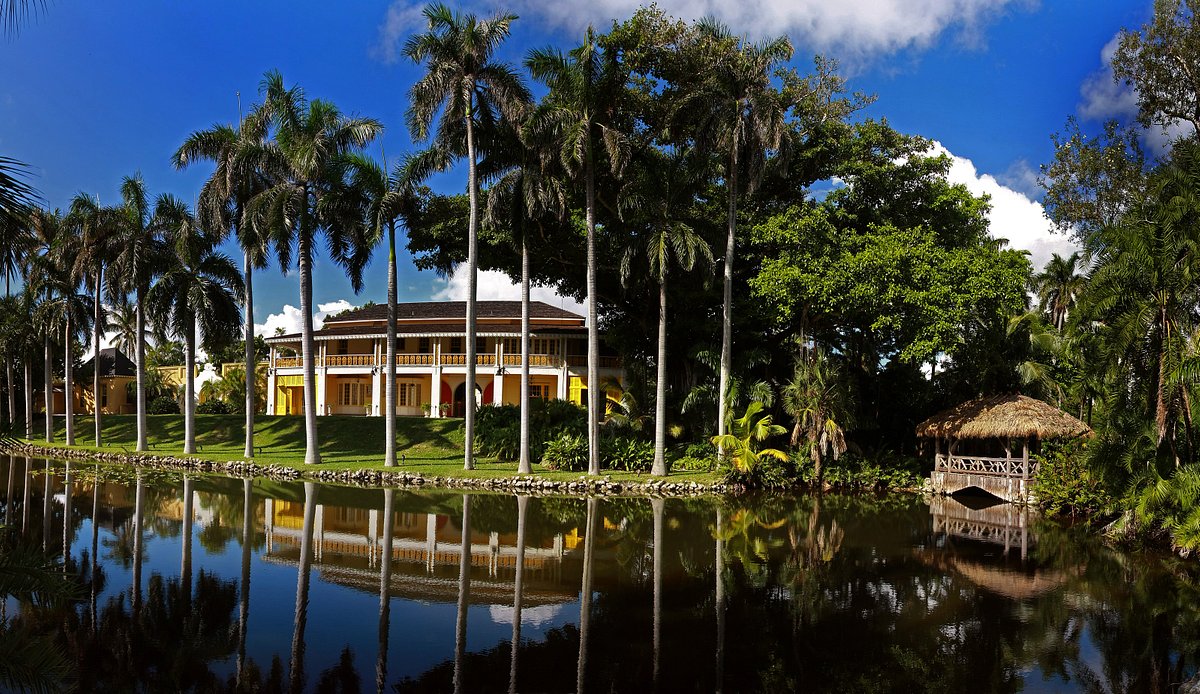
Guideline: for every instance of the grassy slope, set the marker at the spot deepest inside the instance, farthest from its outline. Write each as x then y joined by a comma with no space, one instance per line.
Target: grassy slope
429,446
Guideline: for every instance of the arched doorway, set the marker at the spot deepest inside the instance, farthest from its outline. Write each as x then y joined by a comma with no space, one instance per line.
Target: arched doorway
460,399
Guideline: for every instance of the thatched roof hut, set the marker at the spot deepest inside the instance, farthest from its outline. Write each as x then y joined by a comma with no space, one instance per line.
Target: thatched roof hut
1002,417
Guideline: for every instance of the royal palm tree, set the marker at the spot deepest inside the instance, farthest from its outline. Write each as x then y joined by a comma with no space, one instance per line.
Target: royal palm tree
523,197
201,289
820,406
97,228
669,187
239,176
577,113
122,322
45,227
309,167
1058,285
472,92
17,201
65,310
740,113
140,252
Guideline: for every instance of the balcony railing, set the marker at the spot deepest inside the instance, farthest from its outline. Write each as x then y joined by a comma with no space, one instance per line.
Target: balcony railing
552,361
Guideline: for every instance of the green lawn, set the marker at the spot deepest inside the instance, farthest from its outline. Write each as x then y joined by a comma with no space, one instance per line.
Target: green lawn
429,446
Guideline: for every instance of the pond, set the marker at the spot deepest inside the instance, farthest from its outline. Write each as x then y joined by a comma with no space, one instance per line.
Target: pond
207,583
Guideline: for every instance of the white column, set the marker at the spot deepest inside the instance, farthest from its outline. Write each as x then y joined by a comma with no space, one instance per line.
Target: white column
319,531
271,387
269,522
376,389
322,386
373,533
435,397
430,540
563,377
498,389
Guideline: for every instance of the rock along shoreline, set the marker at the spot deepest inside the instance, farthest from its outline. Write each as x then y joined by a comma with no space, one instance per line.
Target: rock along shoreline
400,479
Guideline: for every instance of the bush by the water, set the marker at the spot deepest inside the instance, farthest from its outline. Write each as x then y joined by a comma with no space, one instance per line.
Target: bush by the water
163,404
569,452
856,472
1065,485
498,427
214,406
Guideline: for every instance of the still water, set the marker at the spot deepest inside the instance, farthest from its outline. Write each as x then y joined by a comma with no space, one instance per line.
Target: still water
208,583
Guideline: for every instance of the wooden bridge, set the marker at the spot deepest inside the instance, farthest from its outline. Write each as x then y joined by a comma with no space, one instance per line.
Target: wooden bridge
1006,478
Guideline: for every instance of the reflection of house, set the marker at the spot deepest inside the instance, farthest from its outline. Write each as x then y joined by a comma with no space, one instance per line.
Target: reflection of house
117,371
350,358
426,553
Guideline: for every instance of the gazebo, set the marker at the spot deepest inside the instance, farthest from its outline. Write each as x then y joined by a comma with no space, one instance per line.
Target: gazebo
986,443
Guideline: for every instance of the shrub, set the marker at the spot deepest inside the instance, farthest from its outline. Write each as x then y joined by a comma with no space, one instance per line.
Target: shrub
498,431
163,404
498,428
214,406
566,452
1064,484
769,473
626,453
693,464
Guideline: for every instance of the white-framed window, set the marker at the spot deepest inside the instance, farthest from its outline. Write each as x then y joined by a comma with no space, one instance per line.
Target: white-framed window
537,345
354,393
408,394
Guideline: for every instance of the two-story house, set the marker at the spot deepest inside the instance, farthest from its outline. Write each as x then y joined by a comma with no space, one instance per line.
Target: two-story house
351,350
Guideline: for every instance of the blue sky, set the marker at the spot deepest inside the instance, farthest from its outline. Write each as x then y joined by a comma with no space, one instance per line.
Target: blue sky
91,92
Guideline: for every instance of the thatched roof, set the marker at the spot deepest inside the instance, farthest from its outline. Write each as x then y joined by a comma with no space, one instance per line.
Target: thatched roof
1003,416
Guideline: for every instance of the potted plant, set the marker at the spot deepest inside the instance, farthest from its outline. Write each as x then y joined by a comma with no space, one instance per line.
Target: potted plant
427,409
446,407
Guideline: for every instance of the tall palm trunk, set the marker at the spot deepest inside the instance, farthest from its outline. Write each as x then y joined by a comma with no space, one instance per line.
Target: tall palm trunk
525,466
593,358
48,400
28,395
585,592
389,401
518,592
189,388
138,511
464,597
727,305
660,387
68,383
385,584
472,290
719,602
300,621
312,455
12,395
140,349
250,363
657,506
244,592
98,327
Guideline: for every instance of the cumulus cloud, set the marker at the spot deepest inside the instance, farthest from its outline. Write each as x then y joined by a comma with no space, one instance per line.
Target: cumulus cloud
1014,215
289,318
859,28
496,286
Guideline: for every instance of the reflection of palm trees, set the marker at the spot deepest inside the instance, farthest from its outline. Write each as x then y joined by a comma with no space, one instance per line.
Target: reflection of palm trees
464,595
585,596
719,562
244,606
47,511
8,498
657,505
139,500
385,579
95,582
522,504
185,567
67,517
25,500
306,554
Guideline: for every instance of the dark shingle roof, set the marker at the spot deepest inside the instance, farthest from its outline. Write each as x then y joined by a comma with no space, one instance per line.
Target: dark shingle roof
442,310
112,363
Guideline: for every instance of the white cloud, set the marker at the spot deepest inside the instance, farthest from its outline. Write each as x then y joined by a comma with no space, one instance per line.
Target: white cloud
534,617
1014,216
289,318
496,286
857,28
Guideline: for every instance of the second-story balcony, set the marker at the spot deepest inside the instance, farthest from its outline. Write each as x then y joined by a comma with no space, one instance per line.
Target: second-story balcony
552,361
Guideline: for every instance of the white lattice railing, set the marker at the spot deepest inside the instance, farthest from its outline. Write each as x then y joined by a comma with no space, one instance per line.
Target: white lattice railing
984,465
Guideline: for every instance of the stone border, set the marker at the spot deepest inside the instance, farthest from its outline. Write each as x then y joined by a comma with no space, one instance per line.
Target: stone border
401,479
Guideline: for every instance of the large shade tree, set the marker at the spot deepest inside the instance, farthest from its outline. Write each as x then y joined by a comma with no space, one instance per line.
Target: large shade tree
466,91
310,167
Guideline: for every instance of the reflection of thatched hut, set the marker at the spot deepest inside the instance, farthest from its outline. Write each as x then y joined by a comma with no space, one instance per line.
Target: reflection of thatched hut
986,442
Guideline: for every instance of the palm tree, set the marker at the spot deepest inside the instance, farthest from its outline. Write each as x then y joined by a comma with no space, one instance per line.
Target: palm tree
740,113
584,86
97,228
140,252
64,311
470,91
743,444
525,194
201,289
46,227
387,198
820,405
309,167
670,184
17,201
122,322
238,177
1058,285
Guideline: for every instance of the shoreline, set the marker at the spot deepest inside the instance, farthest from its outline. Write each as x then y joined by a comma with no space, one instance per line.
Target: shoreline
399,479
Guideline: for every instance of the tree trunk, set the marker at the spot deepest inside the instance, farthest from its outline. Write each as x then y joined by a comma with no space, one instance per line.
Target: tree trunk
585,592
525,465
28,396
593,360
719,602
472,288
189,388
518,592
68,384
657,506
300,620
48,400
251,363
97,328
464,596
727,305
12,395
140,358
312,454
138,522
660,387
385,584
389,415
244,592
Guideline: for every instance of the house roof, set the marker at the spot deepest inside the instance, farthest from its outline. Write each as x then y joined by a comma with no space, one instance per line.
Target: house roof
1003,416
448,310
113,363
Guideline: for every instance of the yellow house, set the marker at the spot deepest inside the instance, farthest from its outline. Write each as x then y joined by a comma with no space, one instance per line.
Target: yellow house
116,372
351,350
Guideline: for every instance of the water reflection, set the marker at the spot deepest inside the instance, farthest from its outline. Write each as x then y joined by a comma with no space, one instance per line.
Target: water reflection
752,594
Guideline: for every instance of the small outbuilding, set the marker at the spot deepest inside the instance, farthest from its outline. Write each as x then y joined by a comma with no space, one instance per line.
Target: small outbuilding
987,443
